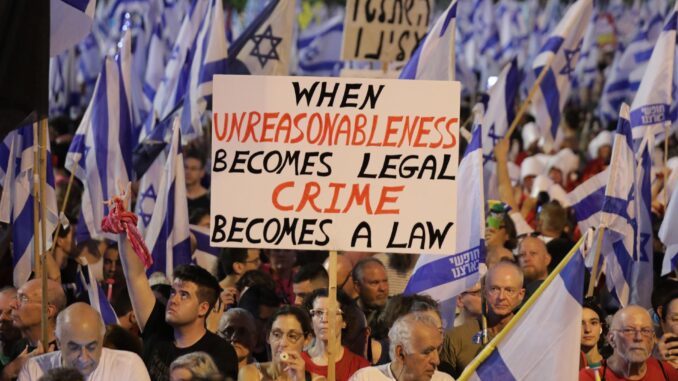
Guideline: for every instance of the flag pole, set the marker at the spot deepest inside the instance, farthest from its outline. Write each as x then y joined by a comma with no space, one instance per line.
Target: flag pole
43,227
36,198
67,195
666,159
596,260
332,319
530,95
487,351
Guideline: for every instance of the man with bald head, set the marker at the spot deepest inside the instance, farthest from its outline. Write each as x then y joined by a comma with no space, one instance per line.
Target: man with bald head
80,334
534,260
503,291
25,311
632,337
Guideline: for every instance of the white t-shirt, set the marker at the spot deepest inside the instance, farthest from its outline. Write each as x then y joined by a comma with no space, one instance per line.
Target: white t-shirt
113,366
383,373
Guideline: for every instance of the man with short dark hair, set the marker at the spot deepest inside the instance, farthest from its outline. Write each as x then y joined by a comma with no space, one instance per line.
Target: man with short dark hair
80,333
632,337
371,281
180,327
310,277
262,302
237,261
194,170
668,317
503,291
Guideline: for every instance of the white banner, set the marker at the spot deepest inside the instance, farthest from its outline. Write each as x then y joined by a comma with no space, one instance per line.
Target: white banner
334,164
386,31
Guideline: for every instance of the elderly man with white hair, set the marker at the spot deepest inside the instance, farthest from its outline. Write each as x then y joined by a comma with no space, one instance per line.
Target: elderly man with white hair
414,350
80,335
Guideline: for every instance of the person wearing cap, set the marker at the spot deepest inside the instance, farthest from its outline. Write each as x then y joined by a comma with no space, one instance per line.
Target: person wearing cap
599,150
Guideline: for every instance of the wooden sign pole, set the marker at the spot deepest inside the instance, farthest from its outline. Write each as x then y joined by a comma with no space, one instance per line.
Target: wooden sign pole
332,311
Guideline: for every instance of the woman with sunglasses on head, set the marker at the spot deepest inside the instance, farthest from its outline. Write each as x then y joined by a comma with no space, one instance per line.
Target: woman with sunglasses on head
347,362
289,332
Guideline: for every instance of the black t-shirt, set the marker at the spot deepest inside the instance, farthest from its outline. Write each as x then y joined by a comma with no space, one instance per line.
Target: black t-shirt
160,351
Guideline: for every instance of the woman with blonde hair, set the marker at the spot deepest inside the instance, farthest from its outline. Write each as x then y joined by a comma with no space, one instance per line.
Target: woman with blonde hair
195,366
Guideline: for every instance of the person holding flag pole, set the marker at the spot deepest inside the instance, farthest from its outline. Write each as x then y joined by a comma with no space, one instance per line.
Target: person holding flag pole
556,307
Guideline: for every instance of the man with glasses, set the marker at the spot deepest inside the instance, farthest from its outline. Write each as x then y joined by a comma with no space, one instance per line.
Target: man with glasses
503,292
310,277
470,305
344,276
414,350
632,337
9,334
26,316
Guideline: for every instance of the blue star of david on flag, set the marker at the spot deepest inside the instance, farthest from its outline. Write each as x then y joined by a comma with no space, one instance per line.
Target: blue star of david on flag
272,53
148,194
495,138
571,59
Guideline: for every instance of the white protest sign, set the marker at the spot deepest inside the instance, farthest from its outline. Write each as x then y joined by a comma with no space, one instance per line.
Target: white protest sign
334,164
386,30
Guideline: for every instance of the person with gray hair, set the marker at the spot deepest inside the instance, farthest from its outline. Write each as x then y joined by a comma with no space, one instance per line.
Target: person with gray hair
414,350
80,335
195,366
371,281
238,328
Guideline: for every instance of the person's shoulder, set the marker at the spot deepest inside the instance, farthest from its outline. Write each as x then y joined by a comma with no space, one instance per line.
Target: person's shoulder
587,374
664,367
46,361
116,361
369,373
469,327
440,376
249,372
118,355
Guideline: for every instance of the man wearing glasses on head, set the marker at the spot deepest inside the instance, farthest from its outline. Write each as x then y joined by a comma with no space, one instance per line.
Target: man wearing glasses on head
632,337
503,292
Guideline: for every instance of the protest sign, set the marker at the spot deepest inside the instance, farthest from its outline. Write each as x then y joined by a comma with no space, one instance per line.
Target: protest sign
386,31
334,164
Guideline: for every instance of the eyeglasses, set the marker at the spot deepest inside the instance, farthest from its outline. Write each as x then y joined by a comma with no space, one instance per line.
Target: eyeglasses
255,260
630,333
232,333
508,291
23,299
292,336
318,313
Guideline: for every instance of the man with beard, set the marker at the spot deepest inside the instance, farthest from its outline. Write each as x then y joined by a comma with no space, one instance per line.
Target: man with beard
369,278
503,292
632,337
534,260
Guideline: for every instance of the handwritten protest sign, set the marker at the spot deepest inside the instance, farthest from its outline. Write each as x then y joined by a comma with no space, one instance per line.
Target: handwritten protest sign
386,30
334,164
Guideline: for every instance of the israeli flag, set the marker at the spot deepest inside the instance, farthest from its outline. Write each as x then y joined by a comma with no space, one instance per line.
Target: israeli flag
654,102
167,236
204,255
86,282
209,58
101,151
551,353
513,35
264,47
319,48
150,157
624,243
158,55
16,207
486,37
615,89
668,236
443,278
70,21
562,51
587,200
434,58
499,115
587,68
172,89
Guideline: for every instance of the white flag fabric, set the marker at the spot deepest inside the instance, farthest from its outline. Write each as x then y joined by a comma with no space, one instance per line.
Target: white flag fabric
434,58
562,49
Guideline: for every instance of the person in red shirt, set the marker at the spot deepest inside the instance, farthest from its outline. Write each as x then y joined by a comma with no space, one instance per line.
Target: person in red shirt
315,358
632,337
